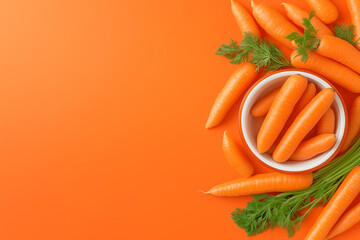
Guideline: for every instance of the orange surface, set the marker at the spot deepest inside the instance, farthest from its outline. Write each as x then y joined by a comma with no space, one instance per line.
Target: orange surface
103,106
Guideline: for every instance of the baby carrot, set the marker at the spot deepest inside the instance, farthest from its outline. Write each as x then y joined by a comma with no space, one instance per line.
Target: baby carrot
296,14
326,123
325,10
303,123
262,107
342,198
274,23
307,96
232,90
244,19
354,125
280,111
354,9
313,147
263,183
349,219
236,157
330,69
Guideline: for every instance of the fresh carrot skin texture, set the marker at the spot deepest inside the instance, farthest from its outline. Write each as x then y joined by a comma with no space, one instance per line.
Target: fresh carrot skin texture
339,50
261,108
349,219
274,23
326,125
342,198
313,146
354,9
354,125
244,19
325,10
237,159
280,111
296,15
302,125
263,183
330,69
307,96
235,86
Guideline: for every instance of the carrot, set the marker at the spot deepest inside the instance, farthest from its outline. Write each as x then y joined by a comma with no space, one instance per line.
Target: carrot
244,19
274,23
236,157
342,198
354,8
339,50
296,14
303,123
326,123
262,107
332,47
263,183
349,219
325,10
354,125
280,111
235,86
307,96
313,147
334,71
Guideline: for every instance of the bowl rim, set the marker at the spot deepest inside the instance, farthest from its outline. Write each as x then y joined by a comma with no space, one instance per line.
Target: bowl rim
249,151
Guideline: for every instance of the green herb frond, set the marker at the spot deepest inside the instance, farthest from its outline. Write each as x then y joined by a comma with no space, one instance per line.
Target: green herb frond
308,42
260,52
268,211
347,33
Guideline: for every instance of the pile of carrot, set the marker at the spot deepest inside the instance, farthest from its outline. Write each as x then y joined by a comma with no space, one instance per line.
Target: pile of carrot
298,120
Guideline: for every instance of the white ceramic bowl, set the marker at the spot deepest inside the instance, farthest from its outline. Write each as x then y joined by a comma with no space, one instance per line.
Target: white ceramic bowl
249,125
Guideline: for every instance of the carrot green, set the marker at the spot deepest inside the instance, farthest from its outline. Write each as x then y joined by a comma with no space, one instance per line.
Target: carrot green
346,32
260,52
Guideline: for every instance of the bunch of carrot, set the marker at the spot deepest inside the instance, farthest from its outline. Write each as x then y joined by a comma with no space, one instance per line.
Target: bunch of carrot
294,112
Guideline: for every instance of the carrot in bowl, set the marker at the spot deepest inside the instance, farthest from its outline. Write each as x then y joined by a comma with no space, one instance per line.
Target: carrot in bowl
326,123
325,10
235,86
237,159
263,183
307,96
296,14
354,125
314,146
342,198
274,23
349,219
261,107
244,19
280,111
303,123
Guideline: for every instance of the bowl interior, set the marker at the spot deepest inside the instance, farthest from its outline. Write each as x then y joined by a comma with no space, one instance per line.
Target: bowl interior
250,125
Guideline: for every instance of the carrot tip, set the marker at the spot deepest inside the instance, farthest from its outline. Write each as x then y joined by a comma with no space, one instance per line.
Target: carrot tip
203,192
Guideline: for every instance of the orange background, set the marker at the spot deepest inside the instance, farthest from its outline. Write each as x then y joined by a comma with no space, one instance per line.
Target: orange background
103,106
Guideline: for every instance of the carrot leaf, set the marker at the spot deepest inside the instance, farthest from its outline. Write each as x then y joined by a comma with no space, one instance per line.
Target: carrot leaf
308,42
268,211
260,52
346,32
